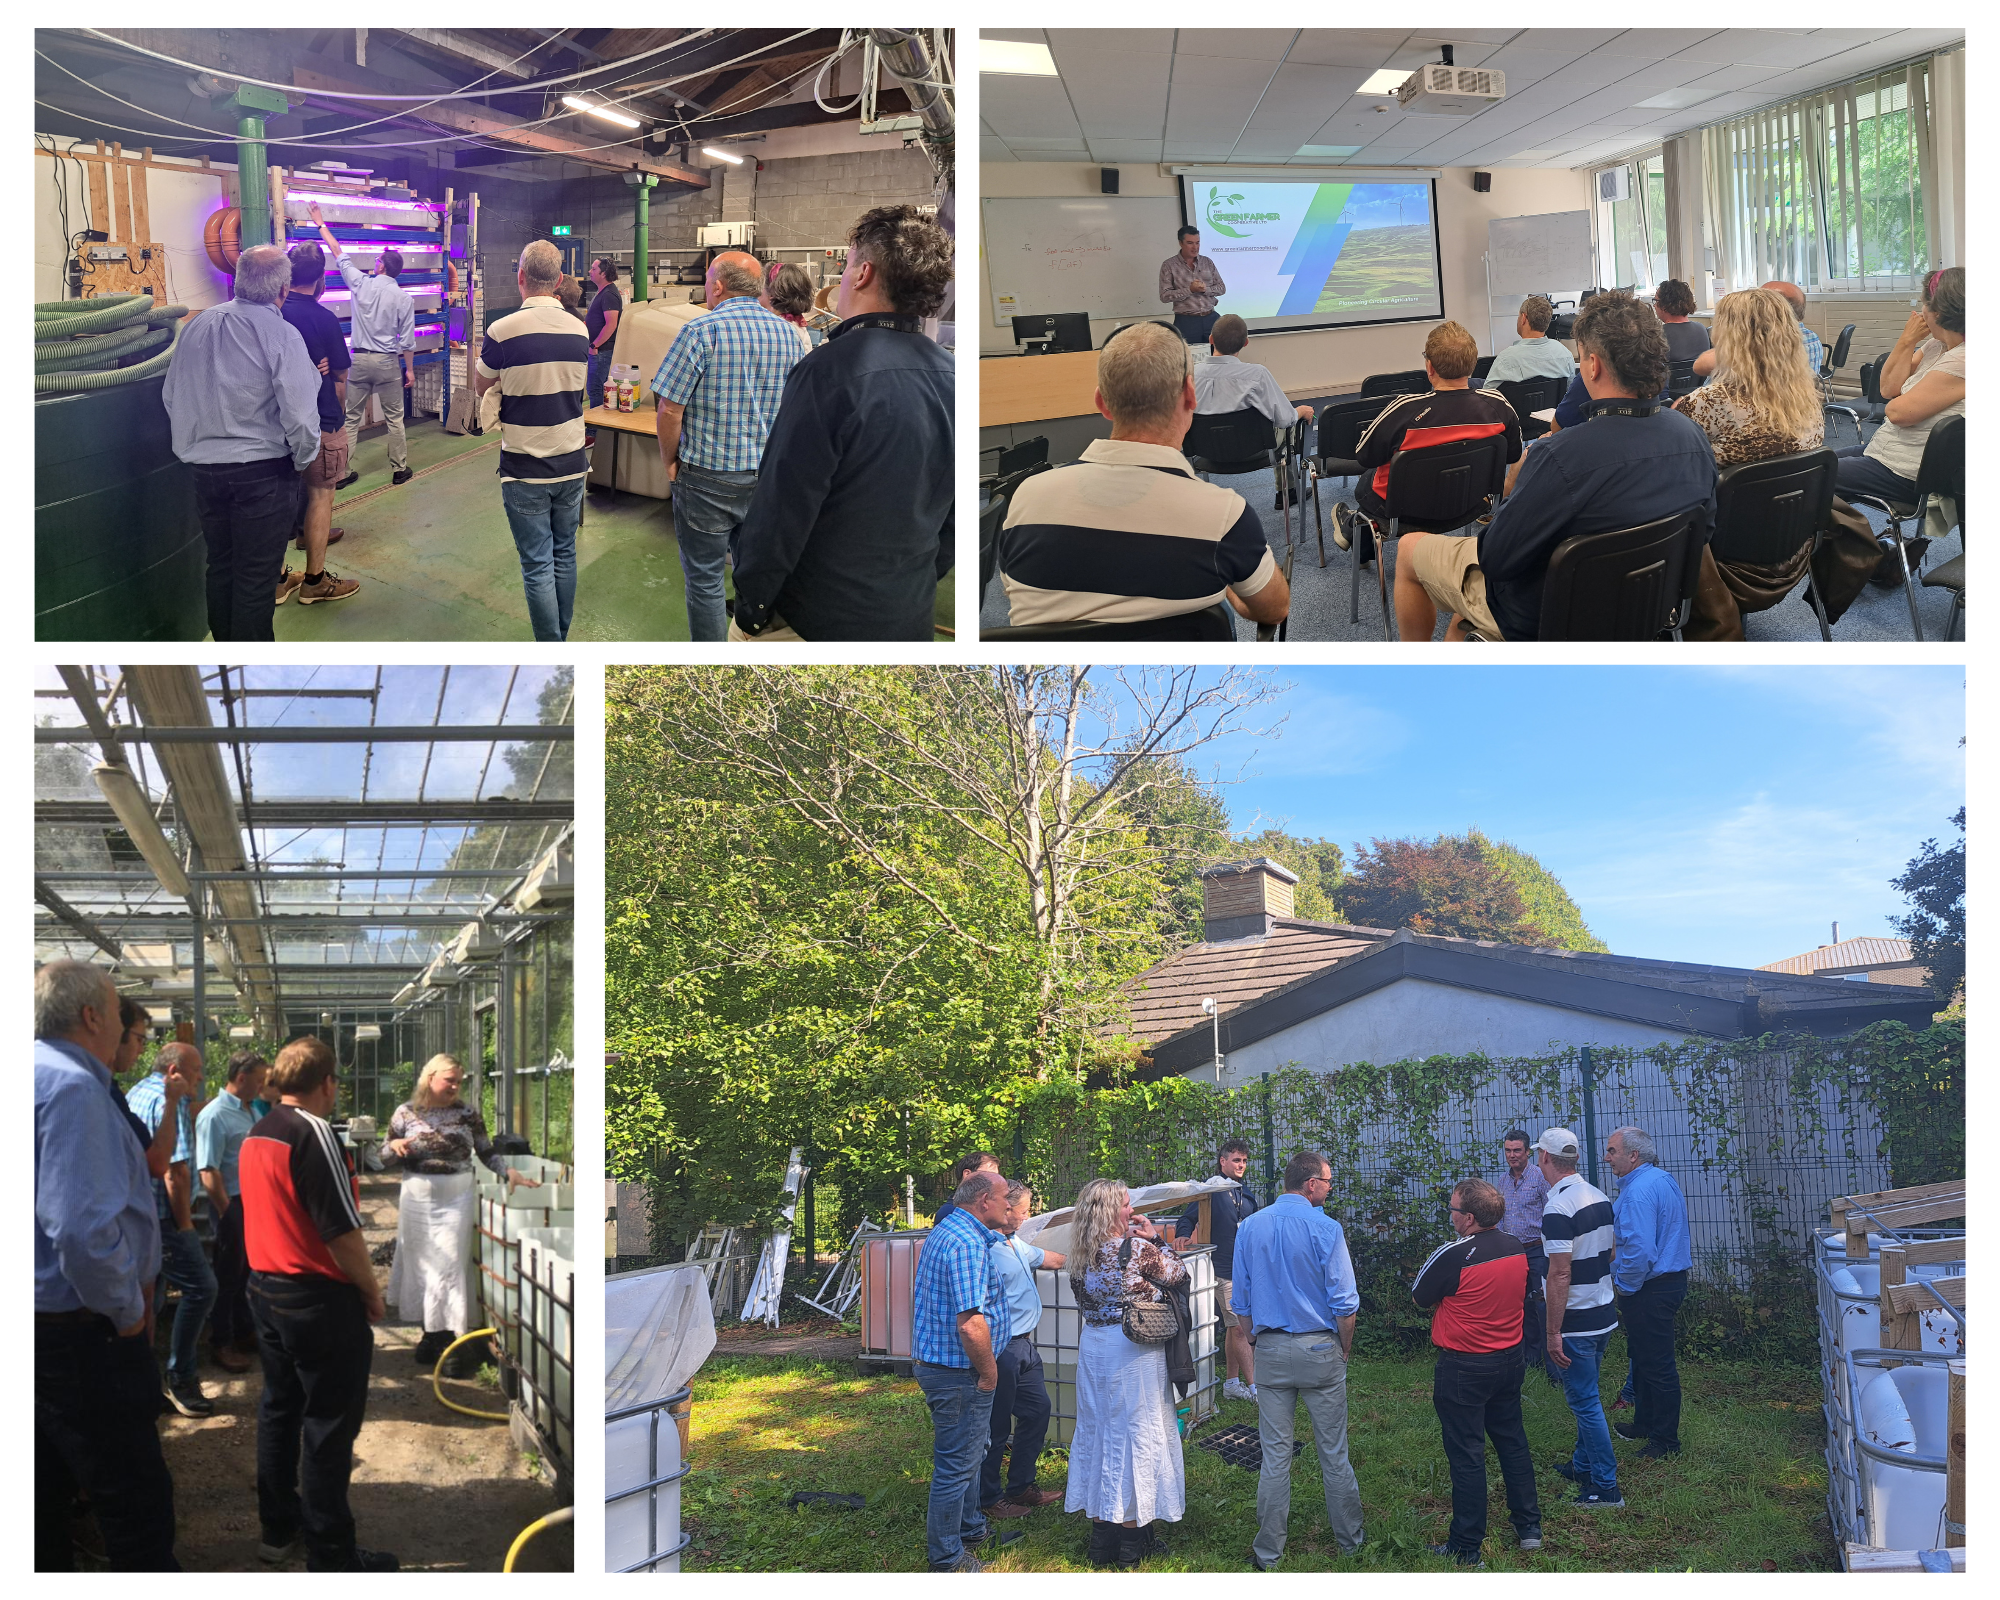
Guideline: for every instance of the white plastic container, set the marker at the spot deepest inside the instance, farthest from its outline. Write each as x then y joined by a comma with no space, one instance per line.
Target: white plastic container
639,1450
1903,1409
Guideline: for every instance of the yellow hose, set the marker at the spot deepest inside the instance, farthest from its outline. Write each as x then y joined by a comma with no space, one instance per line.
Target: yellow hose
438,1388
553,1519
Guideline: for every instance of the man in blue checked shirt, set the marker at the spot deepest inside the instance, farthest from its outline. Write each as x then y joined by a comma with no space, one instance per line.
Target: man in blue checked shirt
97,1250
1294,1286
1649,1269
719,389
961,1319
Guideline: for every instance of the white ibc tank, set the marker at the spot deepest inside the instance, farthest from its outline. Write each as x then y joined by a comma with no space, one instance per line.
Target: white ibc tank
1903,1409
658,1329
640,1450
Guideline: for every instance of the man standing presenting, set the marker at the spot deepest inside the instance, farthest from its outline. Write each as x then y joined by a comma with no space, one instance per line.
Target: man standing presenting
1578,1235
1021,1397
243,399
1191,285
384,323
326,348
313,1296
719,389
172,1090
1523,1191
1295,1286
219,1133
851,525
1478,1285
97,1252
961,1318
601,323
1650,1270
1226,1212
539,356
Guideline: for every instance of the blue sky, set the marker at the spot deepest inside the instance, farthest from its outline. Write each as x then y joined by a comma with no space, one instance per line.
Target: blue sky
1720,815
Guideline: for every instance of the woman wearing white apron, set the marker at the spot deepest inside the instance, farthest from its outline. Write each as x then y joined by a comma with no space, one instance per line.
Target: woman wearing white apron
437,1138
1125,1466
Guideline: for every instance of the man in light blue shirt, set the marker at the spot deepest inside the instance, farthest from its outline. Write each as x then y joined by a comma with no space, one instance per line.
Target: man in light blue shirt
219,1133
97,1250
243,398
1295,1287
1649,1269
1021,1407
382,328
182,1260
1533,354
960,1318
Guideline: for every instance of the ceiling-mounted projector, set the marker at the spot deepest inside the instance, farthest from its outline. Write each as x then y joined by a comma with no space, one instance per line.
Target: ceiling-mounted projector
1442,90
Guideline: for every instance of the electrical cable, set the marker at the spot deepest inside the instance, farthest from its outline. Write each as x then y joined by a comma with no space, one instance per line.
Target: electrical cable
847,43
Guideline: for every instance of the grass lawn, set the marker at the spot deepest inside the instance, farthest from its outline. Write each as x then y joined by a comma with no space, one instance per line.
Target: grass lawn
1747,1492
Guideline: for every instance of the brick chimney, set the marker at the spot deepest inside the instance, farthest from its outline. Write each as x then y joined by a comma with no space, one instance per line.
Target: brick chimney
1241,899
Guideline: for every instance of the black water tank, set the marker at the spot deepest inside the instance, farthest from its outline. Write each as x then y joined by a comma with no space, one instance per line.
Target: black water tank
118,548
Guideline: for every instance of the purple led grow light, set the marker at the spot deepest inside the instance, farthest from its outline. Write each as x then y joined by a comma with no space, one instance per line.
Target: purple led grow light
292,197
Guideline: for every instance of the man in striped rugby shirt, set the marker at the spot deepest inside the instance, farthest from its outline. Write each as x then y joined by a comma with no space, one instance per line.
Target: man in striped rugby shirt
1579,1234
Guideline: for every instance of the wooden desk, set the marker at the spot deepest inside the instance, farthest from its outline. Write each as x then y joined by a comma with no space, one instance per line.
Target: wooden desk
643,420
1037,388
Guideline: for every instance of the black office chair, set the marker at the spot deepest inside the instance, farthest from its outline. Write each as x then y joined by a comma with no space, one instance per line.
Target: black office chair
1871,387
1434,490
1681,379
1940,476
1480,368
993,512
1396,383
1210,625
1529,395
1843,430
1766,510
1232,442
1836,358
1335,440
1951,576
1625,586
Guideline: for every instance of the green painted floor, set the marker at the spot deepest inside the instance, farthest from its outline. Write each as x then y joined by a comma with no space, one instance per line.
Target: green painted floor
435,559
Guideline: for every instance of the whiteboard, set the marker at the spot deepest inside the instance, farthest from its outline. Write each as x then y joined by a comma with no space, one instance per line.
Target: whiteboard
1529,255
1095,253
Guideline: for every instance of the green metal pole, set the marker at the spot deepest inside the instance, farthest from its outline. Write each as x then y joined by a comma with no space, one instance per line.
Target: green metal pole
253,185
1590,1116
642,190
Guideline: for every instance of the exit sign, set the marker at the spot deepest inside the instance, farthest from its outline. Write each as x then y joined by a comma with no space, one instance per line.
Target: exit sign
562,232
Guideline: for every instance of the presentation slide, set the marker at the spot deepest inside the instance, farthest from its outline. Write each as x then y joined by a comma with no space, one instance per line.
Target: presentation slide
1299,253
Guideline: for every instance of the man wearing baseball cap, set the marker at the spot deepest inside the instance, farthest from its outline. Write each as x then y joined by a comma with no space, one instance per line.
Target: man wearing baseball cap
1579,1234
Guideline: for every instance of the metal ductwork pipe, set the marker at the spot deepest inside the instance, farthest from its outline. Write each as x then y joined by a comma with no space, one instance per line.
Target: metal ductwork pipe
908,58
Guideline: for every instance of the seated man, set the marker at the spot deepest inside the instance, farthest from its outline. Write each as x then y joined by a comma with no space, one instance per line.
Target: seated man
1129,533
1633,460
1452,411
1225,383
1533,354
1795,297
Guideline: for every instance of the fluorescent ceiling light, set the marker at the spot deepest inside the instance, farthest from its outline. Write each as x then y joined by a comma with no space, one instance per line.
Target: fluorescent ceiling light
1329,152
605,112
1016,57
721,155
1387,81
1679,99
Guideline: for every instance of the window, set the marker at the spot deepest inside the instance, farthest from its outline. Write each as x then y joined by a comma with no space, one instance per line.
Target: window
1632,232
1827,190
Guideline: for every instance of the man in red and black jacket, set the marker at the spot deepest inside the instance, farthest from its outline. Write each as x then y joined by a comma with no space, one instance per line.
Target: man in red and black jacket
313,1295
1450,411
1479,1285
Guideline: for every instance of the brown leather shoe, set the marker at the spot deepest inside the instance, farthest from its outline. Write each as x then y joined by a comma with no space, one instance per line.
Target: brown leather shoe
1005,1508
333,535
229,1360
1032,1498
328,588
289,584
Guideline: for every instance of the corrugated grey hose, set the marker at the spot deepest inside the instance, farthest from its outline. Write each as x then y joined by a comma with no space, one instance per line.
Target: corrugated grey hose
77,350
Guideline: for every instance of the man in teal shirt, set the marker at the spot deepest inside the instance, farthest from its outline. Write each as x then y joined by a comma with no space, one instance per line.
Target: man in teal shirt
1021,1398
218,1140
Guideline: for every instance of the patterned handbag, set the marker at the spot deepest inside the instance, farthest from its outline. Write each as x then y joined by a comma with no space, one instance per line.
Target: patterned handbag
1147,1321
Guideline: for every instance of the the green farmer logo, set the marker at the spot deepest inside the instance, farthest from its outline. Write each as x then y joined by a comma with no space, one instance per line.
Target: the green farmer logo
1219,219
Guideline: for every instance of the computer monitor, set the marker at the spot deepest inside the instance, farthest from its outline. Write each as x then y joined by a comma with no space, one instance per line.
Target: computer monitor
1062,330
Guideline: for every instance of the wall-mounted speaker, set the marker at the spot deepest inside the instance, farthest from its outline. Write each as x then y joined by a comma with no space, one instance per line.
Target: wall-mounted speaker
1107,178
1482,183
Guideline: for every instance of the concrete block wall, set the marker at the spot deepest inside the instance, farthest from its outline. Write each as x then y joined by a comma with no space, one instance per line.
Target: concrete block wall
814,200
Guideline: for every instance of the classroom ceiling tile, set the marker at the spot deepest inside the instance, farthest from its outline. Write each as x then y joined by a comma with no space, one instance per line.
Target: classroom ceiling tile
1019,35
1125,149
992,149
1222,75
1025,105
1525,64
1257,44
1346,47
1126,41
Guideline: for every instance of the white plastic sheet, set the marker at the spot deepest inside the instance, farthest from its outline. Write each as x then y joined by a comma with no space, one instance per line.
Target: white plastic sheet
659,1327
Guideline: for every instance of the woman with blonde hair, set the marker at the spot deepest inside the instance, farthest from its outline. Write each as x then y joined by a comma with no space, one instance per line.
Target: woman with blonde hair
1125,1466
1763,401
437,1136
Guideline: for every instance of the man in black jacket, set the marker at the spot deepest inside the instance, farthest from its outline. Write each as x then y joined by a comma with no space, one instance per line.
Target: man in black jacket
1225,1211
851,525
1479,1285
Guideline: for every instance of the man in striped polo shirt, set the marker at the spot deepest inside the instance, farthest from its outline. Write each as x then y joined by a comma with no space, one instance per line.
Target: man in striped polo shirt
1579,1234
539,356
1129,533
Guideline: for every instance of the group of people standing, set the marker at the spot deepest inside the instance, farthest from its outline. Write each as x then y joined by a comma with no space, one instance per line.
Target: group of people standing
291,1289
1542,1268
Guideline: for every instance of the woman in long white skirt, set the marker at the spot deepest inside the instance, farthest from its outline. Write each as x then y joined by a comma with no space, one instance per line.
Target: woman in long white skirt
437,1137
1125,1466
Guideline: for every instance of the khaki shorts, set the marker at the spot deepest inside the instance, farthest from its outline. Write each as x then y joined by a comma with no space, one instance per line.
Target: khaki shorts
330,466
1447,565
775,632
1222,1302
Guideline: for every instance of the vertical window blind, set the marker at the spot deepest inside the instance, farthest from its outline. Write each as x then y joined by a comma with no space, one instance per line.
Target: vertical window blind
1828,190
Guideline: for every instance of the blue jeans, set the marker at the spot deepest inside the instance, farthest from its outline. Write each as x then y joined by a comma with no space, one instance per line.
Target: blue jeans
961,1416
1195,330
600,369
184,1266
1020,1406
708,509
544,518
1592,1457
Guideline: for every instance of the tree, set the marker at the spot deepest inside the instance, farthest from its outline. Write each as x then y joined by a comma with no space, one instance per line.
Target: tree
1547,902
541,769
1934,884
1443,886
